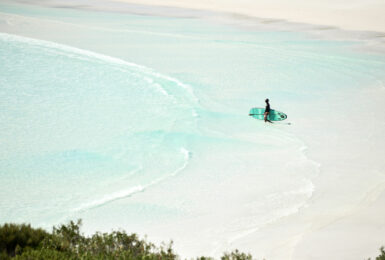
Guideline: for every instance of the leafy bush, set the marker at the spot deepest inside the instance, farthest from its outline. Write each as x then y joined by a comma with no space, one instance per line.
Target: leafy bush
382,255
21,241
236,255
15,238
66,242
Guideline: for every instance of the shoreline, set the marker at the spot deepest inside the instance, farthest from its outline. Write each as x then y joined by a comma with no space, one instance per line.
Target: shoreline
356,16
373,37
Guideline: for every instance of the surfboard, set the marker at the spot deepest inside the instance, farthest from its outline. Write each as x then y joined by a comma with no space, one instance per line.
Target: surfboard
274,115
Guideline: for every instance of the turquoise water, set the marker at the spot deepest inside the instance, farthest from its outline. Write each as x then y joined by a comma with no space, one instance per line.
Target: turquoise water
140,120
81,120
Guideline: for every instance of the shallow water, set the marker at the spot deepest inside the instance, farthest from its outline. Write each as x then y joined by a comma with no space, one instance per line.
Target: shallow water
143,121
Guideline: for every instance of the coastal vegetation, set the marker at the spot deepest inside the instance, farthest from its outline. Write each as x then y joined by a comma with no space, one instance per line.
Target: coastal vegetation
21,241
381,256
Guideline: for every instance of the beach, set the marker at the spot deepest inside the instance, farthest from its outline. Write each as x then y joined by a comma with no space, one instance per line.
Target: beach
350,15
134,116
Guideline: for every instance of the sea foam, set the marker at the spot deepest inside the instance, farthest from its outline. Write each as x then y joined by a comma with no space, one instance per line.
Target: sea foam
136,189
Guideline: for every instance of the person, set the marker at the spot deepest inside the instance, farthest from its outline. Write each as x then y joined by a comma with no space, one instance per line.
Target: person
267,111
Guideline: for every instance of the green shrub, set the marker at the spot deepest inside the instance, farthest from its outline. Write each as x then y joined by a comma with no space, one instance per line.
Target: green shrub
382,255
14,238
236,255
21,241
68,240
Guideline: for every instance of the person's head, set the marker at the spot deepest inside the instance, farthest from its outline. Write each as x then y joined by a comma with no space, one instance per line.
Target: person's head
267,100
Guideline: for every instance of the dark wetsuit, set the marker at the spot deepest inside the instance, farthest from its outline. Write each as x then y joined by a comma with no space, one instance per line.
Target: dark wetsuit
267,109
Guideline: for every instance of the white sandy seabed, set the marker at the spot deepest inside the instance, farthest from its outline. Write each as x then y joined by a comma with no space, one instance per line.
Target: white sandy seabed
310,190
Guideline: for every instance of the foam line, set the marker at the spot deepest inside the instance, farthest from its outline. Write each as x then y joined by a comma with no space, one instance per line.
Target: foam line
135,189
111,197
116,61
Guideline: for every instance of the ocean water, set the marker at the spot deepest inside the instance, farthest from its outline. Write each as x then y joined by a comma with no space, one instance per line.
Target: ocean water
142,122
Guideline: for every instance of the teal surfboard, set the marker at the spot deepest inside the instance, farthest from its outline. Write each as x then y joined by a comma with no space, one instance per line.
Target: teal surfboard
274,115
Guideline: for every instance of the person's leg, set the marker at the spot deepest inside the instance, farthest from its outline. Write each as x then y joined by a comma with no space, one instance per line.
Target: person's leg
265,116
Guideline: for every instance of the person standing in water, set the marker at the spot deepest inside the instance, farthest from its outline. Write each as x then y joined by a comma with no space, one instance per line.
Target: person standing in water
267,111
